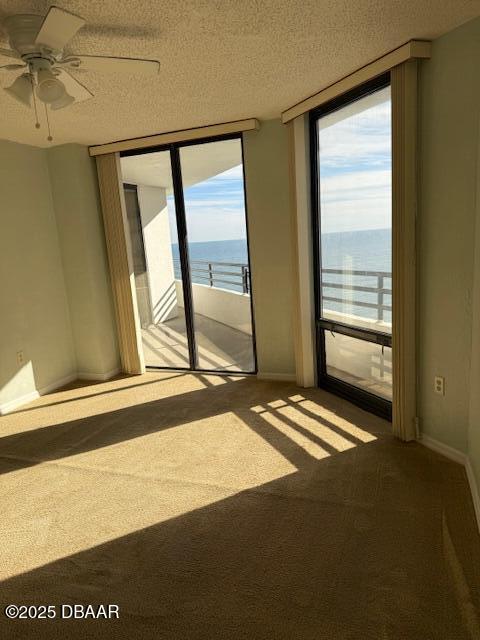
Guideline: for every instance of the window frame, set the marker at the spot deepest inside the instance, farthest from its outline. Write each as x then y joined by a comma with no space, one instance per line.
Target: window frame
366,400
173,148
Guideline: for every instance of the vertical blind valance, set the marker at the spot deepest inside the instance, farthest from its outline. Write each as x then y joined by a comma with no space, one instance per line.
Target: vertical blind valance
409,51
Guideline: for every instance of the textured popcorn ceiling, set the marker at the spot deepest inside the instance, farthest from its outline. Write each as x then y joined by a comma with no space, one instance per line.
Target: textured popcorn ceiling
220,60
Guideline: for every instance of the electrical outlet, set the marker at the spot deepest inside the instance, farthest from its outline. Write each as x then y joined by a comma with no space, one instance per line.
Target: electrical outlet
20,357
439,385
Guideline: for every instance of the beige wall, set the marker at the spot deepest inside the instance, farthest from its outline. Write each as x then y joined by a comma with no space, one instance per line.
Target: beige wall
54,284
474,414
268,202
449,103
80,229
34,315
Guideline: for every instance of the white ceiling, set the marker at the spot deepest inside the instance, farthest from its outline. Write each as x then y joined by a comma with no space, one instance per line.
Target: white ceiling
221,60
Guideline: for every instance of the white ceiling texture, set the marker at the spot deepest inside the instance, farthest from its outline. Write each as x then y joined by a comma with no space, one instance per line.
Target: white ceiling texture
221,60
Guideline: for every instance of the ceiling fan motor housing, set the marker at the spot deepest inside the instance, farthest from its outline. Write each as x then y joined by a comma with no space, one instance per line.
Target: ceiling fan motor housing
22,31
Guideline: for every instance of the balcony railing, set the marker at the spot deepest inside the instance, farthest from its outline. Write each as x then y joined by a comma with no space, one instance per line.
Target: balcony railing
369,282
221,275
236,276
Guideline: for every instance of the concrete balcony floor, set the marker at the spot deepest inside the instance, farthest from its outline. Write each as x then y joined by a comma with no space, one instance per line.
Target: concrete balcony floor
381,386
223,348
219,347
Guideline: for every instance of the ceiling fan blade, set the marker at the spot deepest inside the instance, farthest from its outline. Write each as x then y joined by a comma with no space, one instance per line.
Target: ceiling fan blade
8,53
58,28
74,88
111,64
12,67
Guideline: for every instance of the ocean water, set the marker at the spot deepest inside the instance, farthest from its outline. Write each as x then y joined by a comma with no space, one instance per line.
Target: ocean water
368,250
216,251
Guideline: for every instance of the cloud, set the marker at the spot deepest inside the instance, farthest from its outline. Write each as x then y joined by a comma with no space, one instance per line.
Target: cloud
360,140
356,201
356,185
194,206
355,168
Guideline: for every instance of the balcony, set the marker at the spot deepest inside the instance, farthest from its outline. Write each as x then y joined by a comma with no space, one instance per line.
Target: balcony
222,320
221,299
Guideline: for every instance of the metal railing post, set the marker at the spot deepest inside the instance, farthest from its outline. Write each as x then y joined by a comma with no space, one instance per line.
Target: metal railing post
210,274
245,279
380,299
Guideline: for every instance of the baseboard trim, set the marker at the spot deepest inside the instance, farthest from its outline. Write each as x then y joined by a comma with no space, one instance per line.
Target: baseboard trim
472,481
444,449
464,460
10,406
98,377
57,384
286,377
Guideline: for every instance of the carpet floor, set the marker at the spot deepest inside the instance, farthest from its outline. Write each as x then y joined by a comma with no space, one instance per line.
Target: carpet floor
211,507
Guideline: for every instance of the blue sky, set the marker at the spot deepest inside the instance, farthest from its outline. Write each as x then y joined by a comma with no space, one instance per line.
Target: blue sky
214,208
355,178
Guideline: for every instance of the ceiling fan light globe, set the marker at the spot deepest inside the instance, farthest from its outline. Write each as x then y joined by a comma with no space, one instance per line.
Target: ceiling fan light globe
64,101
21,89
49,88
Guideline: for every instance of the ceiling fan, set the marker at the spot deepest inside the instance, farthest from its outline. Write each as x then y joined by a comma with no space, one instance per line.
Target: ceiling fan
43,64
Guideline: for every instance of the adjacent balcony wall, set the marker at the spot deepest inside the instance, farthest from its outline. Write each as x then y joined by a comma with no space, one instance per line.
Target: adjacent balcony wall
152,202
228,307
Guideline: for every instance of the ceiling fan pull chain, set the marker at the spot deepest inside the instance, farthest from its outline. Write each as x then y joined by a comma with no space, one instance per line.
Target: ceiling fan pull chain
37,123
49,137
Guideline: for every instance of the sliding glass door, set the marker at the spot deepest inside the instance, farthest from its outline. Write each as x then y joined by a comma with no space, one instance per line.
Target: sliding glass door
218,254
188,234
351,179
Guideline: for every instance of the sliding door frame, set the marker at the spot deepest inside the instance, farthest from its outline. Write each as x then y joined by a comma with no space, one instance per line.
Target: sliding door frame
364,399
182,236
185,271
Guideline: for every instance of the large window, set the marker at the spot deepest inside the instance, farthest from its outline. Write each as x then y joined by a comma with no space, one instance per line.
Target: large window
352,170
